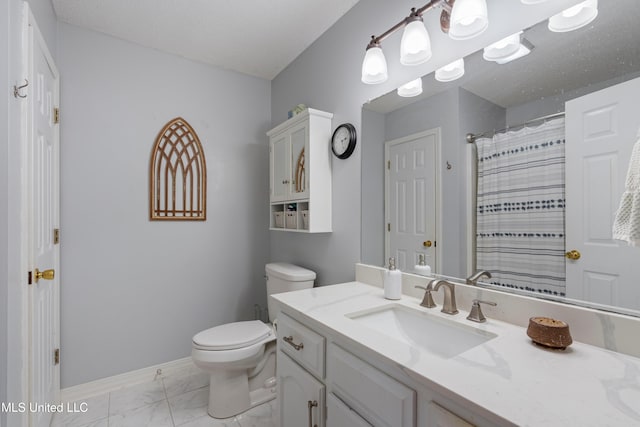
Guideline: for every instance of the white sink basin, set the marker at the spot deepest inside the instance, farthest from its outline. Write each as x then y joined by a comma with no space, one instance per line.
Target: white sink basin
438,336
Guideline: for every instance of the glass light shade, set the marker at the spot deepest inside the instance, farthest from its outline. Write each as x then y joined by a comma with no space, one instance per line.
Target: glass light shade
413,88
468,19
415,47
532,1
575,17
522,51
451,72
502,48
374,66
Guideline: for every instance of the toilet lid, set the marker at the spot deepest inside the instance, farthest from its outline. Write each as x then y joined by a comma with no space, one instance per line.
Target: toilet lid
232,335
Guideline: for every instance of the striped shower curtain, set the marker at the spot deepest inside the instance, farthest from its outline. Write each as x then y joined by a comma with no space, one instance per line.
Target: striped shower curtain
520,235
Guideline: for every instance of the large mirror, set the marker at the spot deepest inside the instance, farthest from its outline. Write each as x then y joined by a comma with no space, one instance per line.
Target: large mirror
576,77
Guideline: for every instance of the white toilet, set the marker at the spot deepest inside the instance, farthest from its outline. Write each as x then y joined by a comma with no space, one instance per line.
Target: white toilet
240,357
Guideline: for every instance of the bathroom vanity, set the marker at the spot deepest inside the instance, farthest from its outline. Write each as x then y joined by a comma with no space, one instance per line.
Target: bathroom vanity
348,357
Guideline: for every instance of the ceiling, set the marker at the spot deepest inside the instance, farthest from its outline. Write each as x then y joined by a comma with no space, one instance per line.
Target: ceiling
254,37
609,47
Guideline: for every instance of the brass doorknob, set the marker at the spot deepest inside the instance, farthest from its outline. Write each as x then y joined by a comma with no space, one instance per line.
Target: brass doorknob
573,254
427,244
46,275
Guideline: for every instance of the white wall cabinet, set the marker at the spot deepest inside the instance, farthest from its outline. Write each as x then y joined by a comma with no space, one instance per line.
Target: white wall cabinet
300,173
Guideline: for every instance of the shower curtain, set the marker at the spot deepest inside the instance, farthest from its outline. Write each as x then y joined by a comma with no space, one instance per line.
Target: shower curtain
520,235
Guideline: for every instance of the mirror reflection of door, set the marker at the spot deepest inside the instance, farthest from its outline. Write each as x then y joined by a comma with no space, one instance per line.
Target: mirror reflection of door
411,199
601,130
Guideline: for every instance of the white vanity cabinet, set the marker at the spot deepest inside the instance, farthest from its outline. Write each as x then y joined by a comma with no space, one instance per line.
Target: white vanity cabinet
300,365
323,382
300,173
369,392
300,395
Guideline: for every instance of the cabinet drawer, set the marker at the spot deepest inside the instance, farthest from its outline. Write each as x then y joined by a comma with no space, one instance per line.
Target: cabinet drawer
441,417
301,343
340,415
376,396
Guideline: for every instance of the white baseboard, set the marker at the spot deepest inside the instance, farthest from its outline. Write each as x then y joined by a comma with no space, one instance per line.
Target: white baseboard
116,382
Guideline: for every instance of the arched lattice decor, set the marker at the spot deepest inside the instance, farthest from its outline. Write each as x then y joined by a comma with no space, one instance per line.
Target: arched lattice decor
178,174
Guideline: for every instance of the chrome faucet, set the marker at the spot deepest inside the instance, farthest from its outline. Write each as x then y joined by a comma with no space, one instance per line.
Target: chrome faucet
449,305
473,279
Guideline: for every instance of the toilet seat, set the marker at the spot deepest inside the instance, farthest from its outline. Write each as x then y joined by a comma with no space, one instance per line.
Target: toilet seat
232,336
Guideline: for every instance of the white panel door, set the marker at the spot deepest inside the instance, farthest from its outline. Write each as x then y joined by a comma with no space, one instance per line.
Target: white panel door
411,208
601,131
43,212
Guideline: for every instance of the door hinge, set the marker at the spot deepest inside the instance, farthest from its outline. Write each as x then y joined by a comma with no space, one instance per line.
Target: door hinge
56,236
389,164
435,244
388,226
56,356
56,115
30,278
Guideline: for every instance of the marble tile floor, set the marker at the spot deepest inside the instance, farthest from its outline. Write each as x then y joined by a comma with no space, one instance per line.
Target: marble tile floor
177,399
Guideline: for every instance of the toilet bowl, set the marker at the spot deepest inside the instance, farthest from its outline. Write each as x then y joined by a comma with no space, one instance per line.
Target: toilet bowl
240,357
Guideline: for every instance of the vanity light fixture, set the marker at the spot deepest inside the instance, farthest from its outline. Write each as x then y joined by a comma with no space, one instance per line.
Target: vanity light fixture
502,49
374,66
415,47
451,72
468,19
524,50
508,49
413,88
461,19
574,17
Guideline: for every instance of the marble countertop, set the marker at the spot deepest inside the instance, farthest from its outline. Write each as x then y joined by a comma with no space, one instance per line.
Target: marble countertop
508,376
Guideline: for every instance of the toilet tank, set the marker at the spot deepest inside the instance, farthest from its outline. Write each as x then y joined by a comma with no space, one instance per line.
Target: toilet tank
283,277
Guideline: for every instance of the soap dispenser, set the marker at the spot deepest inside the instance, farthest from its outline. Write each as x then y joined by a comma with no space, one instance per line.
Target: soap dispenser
392,281
422,268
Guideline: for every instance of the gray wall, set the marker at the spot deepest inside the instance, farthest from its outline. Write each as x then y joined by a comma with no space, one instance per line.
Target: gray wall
134,292
438,111
13,363
327,77
372,193
456,112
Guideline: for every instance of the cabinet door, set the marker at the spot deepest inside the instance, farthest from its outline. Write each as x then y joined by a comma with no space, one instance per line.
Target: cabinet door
340,415
280,167
299,165
300,395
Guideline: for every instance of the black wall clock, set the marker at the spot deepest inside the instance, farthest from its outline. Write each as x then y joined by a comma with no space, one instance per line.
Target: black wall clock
343,140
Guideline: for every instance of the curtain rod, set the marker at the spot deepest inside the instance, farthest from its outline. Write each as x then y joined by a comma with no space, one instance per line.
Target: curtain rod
471,138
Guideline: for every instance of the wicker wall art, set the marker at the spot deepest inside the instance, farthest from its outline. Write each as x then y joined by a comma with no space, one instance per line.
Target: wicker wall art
177,174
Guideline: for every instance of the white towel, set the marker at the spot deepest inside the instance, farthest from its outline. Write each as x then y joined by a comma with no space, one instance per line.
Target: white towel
626,226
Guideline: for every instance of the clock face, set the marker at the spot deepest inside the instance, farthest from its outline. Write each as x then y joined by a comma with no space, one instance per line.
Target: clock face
343,141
